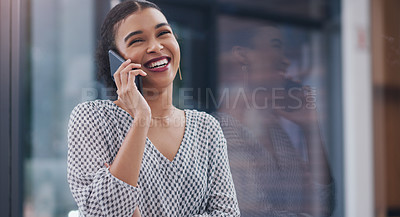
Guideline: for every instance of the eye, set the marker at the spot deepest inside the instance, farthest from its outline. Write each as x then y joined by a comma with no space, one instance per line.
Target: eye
164,32
277,45
135,41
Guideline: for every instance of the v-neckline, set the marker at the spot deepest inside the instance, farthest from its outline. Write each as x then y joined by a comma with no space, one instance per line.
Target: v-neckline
186,112
181,145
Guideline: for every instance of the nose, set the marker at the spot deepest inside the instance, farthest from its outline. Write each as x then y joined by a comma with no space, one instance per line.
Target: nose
285,62
154,46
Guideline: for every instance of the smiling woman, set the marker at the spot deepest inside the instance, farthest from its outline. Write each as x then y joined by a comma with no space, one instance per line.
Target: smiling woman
139,155
145,37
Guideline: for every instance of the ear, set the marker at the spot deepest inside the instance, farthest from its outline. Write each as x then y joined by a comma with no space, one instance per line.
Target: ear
241,54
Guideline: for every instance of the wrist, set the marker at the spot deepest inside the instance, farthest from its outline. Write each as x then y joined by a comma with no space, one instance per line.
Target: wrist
140,112
142,117
310,128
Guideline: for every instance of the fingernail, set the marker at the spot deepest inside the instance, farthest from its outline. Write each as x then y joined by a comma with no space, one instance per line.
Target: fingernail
128,60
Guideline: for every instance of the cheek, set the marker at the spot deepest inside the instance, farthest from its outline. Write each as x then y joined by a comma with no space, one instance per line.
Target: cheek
133,53
136,56
177,52
261,59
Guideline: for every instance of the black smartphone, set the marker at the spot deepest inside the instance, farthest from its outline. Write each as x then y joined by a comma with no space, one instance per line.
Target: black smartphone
289,84
115,61
291,96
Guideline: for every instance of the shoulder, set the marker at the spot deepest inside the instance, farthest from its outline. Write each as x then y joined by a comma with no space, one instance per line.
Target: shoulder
229,123
202,118
91,105
206,126
226,120
92,109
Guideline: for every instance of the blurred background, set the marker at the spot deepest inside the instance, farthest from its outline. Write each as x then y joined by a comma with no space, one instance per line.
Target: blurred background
348,51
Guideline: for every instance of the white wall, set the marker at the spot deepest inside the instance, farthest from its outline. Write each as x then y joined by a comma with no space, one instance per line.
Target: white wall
357,95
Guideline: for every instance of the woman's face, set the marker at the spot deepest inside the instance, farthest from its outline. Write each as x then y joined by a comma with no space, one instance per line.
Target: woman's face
146,38
267,61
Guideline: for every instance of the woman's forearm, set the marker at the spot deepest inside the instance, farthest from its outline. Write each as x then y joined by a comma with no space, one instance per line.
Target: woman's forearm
137,213
127,163
319,166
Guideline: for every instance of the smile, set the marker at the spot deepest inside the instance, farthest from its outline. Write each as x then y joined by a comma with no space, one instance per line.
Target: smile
158,64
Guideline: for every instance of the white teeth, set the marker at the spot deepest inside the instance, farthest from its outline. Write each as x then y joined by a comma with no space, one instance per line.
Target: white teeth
158,63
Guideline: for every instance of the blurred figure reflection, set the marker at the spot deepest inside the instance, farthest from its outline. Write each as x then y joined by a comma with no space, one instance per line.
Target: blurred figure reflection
275,149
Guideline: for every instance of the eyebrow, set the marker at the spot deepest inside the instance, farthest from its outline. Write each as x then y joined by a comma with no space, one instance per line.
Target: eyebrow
277,40
161,25
140,32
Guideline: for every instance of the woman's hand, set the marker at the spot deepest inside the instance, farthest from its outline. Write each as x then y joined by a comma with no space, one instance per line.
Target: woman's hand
136,213
303,111
128,94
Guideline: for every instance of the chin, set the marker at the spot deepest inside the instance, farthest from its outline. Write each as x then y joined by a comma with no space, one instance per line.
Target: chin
158,83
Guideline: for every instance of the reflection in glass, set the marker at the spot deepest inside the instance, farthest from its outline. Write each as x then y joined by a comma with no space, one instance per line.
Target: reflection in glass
270,119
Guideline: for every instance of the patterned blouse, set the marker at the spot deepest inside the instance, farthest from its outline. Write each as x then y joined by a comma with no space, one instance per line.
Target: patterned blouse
272,184
197,182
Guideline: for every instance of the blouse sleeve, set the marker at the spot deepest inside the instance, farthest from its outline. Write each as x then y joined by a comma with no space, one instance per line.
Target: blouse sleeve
324,198
96,191
222,199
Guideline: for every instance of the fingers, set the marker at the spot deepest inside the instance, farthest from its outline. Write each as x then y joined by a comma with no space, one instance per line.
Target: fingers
117,77
125,77
306,88
132,76
128,63
282,112
121,76
126,71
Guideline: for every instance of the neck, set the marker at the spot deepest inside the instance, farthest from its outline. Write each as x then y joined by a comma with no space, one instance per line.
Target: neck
160,101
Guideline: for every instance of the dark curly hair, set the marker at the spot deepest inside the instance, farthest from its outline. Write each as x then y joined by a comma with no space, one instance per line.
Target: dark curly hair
107,35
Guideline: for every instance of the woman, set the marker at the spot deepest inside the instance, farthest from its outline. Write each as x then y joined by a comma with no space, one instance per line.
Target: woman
278,159
139,155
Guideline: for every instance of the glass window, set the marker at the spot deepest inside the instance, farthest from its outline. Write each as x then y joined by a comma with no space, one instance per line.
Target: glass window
61,50
264,69
273,109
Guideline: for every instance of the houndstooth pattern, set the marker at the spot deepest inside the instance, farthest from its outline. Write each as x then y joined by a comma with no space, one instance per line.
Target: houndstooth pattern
197,182
271,184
